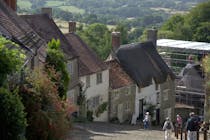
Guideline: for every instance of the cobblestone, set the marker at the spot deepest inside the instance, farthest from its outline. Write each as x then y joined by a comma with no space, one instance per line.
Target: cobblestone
106,131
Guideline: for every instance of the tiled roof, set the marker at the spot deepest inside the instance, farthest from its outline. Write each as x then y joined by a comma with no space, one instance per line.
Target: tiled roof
48,30
143,63
16,29
89,62
117,76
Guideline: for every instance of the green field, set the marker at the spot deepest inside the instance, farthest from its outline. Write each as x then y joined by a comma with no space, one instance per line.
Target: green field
52,3
24,4
72,9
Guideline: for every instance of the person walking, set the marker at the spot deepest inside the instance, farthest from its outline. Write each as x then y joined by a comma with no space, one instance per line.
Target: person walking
179,121
178,124
168,128
192,127
146,120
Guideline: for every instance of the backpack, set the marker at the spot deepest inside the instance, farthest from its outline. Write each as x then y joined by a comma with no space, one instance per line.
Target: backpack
193,124
168,125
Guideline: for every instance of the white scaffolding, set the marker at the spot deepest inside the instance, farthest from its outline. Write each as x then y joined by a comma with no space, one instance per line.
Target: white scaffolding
177,54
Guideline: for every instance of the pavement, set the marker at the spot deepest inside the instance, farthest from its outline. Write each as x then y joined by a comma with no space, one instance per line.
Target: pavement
108,131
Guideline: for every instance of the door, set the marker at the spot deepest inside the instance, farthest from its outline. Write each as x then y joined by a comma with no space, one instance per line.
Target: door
141,115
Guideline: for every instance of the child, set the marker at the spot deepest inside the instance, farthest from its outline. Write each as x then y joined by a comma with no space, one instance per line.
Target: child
168,127
146,121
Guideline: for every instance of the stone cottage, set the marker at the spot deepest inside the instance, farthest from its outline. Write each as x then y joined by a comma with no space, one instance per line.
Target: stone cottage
153,87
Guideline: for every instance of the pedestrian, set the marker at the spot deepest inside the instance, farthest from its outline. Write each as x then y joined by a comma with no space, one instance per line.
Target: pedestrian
146,120
168,128
192,127
179,121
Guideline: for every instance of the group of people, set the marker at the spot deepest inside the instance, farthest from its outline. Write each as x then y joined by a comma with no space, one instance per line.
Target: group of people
191,126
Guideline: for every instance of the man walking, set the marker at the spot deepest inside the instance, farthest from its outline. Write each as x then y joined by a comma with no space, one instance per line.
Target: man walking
168,127
192,127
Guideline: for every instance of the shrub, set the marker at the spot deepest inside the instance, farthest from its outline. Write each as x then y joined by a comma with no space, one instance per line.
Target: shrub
55,59
10,59
101,108
12,118
47,113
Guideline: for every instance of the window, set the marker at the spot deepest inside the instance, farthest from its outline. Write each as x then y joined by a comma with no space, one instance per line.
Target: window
99,78
116,95
88,81
126,91
127,106
70,68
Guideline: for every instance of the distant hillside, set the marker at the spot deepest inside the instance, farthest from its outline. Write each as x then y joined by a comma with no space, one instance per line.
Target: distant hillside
110,11
135,15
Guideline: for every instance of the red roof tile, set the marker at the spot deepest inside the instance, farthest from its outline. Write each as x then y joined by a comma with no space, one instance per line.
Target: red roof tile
89,62
16,29
117,76
48,30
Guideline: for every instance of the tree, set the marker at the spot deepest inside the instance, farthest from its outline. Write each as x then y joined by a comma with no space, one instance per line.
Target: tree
202,32
55,58
192,26
98,37
123,33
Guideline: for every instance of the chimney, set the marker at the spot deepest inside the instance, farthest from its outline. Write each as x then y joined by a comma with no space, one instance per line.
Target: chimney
152,36
72,26
48,11
12,4
115,40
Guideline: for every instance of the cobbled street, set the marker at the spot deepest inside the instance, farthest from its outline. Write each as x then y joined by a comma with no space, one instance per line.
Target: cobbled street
106,131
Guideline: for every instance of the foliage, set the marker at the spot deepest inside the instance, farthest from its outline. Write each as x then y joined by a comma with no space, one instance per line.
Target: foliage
55,59
192,26
11,60
123,33
101,108
13,117
98,37
46,112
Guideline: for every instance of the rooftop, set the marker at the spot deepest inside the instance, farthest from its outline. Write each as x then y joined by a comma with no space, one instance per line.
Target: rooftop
184,46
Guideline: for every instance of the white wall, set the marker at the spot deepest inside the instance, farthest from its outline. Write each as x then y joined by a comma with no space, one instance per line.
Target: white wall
149,94
98,90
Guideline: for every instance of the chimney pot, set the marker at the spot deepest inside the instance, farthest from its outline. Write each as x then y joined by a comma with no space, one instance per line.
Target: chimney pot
152,36
115,40
72,26
12,4
48,11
